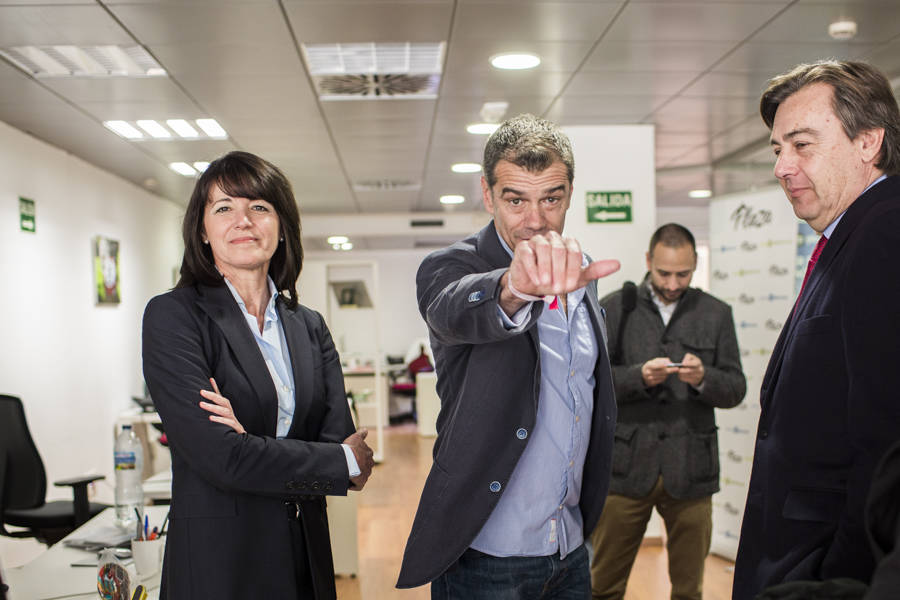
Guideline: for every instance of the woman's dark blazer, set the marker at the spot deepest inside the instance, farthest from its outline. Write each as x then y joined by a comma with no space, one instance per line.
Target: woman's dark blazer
229,535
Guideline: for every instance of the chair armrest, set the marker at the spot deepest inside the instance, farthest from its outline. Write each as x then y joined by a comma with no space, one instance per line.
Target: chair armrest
76,481
79,495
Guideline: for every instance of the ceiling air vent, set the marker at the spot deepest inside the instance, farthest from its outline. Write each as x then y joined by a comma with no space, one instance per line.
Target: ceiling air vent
426,223
385,185
377,87
375,71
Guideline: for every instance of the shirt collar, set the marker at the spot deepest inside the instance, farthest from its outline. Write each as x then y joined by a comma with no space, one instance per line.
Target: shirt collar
830,229
271,314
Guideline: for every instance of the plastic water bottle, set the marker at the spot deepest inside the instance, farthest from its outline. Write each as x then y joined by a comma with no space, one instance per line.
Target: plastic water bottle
129,466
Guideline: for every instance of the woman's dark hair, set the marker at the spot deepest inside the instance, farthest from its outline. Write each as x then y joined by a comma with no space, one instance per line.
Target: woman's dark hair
243,175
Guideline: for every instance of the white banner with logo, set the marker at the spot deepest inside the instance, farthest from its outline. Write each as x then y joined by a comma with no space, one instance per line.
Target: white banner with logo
753,262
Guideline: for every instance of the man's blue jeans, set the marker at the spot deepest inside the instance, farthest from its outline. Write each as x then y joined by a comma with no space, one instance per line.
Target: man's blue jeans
479,576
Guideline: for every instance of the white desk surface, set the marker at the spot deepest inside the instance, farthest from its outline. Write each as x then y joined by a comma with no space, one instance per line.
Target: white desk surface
158,487
51,577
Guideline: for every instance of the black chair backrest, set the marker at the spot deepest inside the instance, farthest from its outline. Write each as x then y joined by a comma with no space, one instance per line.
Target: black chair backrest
23,481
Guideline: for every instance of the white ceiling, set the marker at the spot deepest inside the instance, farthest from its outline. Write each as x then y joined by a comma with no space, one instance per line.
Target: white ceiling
693,69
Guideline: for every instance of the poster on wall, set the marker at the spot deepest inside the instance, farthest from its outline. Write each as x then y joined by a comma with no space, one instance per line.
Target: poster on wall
753,253
106,270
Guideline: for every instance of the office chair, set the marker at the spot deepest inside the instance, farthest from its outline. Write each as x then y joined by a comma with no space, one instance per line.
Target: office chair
23,485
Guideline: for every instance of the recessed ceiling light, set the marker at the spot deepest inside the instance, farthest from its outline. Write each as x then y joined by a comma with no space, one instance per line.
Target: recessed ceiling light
154,129
466,168
211,128
482,128
124,129
452,199
201,165
700,193
182,128
182,168
338,239
347,246
515,60
842,29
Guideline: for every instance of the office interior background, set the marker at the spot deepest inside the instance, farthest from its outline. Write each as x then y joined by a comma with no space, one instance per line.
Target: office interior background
365,105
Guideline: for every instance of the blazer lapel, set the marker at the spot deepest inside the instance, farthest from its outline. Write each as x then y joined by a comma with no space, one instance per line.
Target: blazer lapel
836,243
297,335
221,307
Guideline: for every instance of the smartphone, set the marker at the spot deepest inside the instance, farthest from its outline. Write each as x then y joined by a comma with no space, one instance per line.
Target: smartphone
673,364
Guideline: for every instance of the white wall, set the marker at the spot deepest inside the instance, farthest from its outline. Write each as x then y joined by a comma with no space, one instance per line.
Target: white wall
614,158
399,322
74,364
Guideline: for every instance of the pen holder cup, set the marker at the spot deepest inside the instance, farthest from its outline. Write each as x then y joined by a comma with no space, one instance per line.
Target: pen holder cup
148,556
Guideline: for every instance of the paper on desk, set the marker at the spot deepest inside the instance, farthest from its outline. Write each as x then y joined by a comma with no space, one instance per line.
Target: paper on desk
102,536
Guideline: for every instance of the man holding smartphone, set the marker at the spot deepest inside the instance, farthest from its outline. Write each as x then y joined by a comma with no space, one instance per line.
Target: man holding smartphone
675,358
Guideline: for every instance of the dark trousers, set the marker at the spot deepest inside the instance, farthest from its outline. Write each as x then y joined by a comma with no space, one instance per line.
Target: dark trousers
479,576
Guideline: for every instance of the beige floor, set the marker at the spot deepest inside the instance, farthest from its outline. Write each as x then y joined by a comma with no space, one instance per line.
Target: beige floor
386,510
387,507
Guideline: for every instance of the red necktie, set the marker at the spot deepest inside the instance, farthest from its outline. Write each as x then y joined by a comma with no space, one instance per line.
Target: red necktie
812,261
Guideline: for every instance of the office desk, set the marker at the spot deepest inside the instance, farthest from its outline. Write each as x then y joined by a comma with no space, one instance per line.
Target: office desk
51,577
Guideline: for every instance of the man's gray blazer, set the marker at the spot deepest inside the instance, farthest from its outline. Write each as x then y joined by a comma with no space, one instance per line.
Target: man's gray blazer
488,382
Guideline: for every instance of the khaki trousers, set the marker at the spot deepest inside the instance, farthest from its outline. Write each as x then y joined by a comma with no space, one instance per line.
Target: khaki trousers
621,528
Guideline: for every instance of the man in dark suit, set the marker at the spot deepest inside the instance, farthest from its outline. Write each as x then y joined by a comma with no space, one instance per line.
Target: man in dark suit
829,397
522,459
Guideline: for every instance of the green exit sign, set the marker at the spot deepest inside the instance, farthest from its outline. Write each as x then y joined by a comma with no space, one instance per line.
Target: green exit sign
608,207
26,215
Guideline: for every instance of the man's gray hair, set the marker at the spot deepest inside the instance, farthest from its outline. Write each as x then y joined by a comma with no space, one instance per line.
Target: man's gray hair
528,142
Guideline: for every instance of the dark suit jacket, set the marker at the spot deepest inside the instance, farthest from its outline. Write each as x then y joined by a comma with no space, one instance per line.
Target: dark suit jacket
229,535
883,526
488,382
670,429
830,408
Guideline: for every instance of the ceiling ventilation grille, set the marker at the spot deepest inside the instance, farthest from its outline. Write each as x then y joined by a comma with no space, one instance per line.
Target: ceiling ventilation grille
375,71
84,61
386,185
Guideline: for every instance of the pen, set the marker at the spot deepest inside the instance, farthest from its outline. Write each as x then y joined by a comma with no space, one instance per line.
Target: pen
146,526
154,534
138,530
162,530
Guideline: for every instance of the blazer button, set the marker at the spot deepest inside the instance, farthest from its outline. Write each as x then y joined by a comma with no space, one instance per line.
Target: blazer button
495,486
521,433
314,486
763,434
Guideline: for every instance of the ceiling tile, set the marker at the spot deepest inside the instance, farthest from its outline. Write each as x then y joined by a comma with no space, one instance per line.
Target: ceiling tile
557,21
57,25
690,21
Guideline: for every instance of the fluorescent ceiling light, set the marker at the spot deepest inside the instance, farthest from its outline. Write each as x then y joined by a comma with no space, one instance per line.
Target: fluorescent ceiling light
182,128
347,246
452,199
466,168
201,165
338,239
84,61
182,168
515,60
154,129
401,58
124,129
700,193
211,128
482,128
